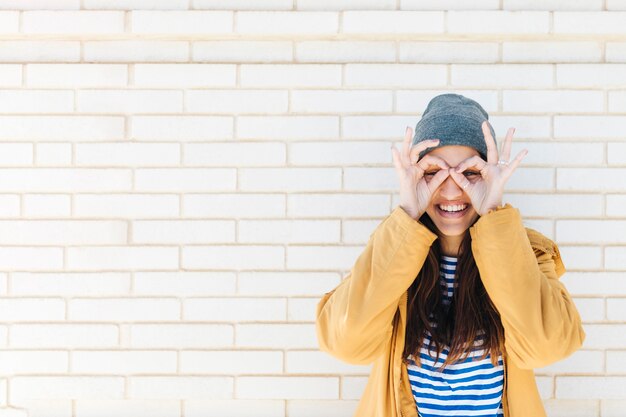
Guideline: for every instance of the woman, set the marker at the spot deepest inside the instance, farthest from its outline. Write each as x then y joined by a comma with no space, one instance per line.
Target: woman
453,300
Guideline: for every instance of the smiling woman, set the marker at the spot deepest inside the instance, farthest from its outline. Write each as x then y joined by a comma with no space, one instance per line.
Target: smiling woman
453,300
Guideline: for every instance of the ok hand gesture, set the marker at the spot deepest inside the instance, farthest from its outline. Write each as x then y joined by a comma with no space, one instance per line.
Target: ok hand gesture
486,193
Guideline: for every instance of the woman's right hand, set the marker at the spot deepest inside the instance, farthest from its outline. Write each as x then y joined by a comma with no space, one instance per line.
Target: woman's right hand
416,189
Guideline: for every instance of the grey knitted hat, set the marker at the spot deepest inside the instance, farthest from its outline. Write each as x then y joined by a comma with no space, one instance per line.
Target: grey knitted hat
454,120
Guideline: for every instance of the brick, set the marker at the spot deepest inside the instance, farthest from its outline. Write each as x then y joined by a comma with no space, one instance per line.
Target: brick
76,75
545,386
449,52
122,258
376,127
125,205
395,22
124,309
175,179
552,52
590,309
339,154
449,4
235,309
591,231
279,336
604,336
31,259
181,336
612,408
553,101
234,362
288,231
616,153
334,257
333,101
242,51
39,51
590,179
590,387
73,22
135,4
590,75
183,231
243,4
571,408
615,5
136,51
10,206
180,387
32,309
591,22
357,231
316,362
557,205
238,154
615,205
10,75
303,309
282,22
83,128
292,387
581,257
288,128
498,21
594,283
128,362
417,101
16,154
615,52
127,154
41,361
581,361
353,387
40,4
236,101
51,232
502,75
286,283
181,128
56,154
130,101
289,179
9,22
64,180
344,51
558,153
337,205
241,257
395,75
46,205
64,335
182,283
127,408
329,408
370,179
301,75
617,103
552,5
235,408
66,387
184,75
345,4
615,361
70,284
616,309
241,205
181,22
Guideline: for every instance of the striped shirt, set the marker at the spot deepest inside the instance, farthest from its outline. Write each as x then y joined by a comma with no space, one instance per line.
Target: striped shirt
470,387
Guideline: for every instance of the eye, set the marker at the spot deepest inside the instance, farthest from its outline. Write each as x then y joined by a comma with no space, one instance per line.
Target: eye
470,173
430,174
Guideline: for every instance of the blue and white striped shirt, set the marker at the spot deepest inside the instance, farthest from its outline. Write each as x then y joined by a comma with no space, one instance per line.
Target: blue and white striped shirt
470,387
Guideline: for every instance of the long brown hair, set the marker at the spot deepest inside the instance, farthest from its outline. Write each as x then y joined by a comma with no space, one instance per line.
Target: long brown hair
470,312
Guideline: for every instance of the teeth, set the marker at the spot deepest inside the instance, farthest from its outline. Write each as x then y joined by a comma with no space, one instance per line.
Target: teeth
453,208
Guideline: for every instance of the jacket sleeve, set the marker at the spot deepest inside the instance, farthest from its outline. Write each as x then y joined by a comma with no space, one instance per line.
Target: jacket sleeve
520,269
354,321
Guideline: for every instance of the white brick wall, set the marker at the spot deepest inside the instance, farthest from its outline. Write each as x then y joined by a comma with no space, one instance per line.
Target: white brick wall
183,179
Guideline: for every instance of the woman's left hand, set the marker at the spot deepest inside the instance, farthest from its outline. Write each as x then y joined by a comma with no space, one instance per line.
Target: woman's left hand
486,192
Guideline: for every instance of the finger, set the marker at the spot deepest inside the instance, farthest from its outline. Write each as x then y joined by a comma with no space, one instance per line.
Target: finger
408,134
492,151
472,161
438,179
461,181
506,146
396,161
429,160
421,146
513,165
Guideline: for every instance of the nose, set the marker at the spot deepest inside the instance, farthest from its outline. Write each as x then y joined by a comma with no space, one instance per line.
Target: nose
450,190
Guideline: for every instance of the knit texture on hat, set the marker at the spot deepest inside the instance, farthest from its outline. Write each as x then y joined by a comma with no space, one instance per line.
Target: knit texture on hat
454,120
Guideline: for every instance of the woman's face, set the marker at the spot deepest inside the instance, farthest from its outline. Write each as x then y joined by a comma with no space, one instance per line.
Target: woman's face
449,194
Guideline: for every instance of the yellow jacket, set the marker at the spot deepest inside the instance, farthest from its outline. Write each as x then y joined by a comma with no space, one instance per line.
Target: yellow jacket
363,319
